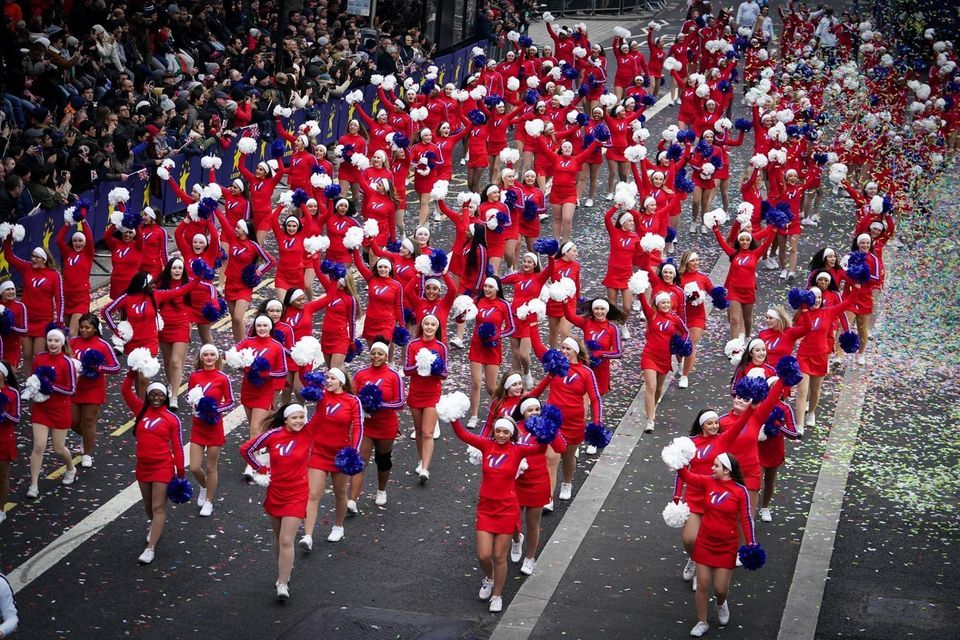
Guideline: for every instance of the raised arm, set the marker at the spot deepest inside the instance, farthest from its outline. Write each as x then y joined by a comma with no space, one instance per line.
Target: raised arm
471,439
726,248
13,259
130,396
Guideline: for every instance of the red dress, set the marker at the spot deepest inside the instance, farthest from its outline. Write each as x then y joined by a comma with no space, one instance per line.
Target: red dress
76,271
261,195
142,313
55,411
336,423
696,315
125,259
289,487
496,312
564,170
9,419
154,256
623,244
564,269
744,445
718,538
741,280
260,396
533,485
424,391
661,327
384,303
42,293
10,345
159,445
92,389
382,424
337,329
498,510
607,335
290,265
526,287
241,254
214,384
771,452
816,326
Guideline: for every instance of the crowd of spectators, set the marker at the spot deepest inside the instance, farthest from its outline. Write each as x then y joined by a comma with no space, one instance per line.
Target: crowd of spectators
101,89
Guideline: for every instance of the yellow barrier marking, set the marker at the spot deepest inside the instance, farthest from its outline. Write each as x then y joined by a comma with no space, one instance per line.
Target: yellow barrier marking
62,470
8,506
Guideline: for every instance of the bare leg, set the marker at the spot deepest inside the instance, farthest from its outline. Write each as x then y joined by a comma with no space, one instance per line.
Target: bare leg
318,482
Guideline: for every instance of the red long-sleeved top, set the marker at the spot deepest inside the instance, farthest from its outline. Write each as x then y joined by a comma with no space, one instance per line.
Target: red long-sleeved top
142,313
384,301
125,259
261,189
42,289
817,325
154,257
413,298
288,451
744,445
661,327
742,275
567,392
337,421
499,464
86,384
158,432
394,394
76,268
214,384
720,518
242,253
708,448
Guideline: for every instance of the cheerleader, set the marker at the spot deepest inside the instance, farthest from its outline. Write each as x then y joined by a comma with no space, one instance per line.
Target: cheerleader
658,55
715,549
780,336
494,323
789,190
159,454
42,297
384,300
350,143
9,419
13,325
126,254
290,252
863,309
302,160
741,280
341,301
569,393
475,267
428,301
154,242
206,430
247,261
204,302
262,182
174,336
336,424
566,266
753,360
532,207
771,453
426,156
380,203
618,121
526,283
50,412
624,243
662,325
284,334
381,425
288,443
601,336
336,224
504,400
563,196
498,511
425,363
825,260
696,287
78,256
97,358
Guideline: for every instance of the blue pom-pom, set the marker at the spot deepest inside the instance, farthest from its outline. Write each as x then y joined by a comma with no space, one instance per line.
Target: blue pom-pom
793,131
249,276
278,335
477,117
820,158
857,268
427,87
439,366
46,376
674,152
315,378
179,491
752,388
278,147
724,85
719,297
332,191
601,132
680,347
256,374
221,259
487,332
717,161
752,556
400,141
409,317
543,429
131,220
212,312
772,426
354,350
776,216
312,393
317,169
597,435
348,461
682,182
555,363
206,208
742,124
648,100
333,270
7,320
400,336
525,41
529,210
510,198
583,89
583,119
503,220
202,270
593,345
480,61
299,197
492,100
552,413
438,260
588,140
90,362
489,270
207,410
788,370
798,298
531,96
849,342
671,234
82,210
569,72
687,135
393,246
704,148
371,397
546,246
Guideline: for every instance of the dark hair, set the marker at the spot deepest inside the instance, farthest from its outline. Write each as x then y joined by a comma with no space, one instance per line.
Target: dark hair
287,300
735,473
855,245
92,319
479,240
613,315
833,281
499,285
166,281
438,335
696,428
11,377
276,419
146,406
121,147
819,260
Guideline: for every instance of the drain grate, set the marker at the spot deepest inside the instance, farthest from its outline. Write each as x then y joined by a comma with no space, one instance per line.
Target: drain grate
366,623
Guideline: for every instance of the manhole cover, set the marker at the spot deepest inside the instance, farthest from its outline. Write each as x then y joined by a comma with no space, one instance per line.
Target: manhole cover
365,623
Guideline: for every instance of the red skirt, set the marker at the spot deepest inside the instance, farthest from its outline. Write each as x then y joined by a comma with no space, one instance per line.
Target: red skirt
743,295
374,327
77,303
481,354
236,290
154,471
423,393
348,173
253,397
655,361
171,333
289,279
719,552
333,343
494,147
771,452
533,486
498,516
573,431
382,425
53,413
694,498
530,228
617,278
752,481
563,194
90,390
287,502
8,445
322,457
602,374
424,184
207,435
814,365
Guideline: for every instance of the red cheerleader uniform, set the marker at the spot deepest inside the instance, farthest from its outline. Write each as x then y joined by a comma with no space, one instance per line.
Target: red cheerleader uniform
240,254
76,271
607,335
564,269
159,444
496,238
9,418
55,411
780,343
817,327
42,293
772,452
533,485
564,170
423,182
744,446
415,301
214,384
864,303
10,345
477,145
154,257
741,280
461,221
183,237
125,259
382,424
346,172
384,303
530,227
526,287
444,170
337,227
142,313
338,423
261,195
92,389
623,245
176,314
661,327
290,265
260,396
289,487
206,292
620,134
696,314
718,538
339,322
424,391
498,510
496,312
380,207
378,132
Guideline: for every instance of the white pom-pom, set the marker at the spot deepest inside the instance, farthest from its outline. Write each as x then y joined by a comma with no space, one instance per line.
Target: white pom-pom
694,294
453,406
785,116
118,195
194,396
464,197
353,97
639,282
307,352
608,100
715,217
652,242
371,228
929,34
68,215
676,515
316,244
563,290
624,196
513,36
923,92
116,218
418,114
621,33
635,153
316,180
206,162
140,359
513,84
491,221
463,306
678,453
744,208
212,190
533,82
759,161
566,98
360,161
478,92
672,64
5,229
533,127
422,264
669,134
548,17
163,173
18,233
537,307
509,156
475,456
555,73
239,359
424,360
703,91
579,52
723,124
440,190
286,199
31,390
734,350
876,204
353,238
193,211
261,480
376,79
247,145
389,83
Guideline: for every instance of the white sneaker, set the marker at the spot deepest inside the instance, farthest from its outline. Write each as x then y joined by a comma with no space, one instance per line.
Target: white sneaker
202,496
283,592
69,477
352,508
437,217
765,515
650,426
516,549
206,510
496,604
783,274
306,543
771,264
381,498
791,276
457,341
566,490
436,431
472,422
699,630
174,405
336,534
529,564
248,473
413,434
591,450
861,360
419,467
723,613
739,561
588,203
608,197
424,475
808,222
33,491
625,334
811,420
693,227
146,557
670,248
548,508
693,583
703,230
486,588
683,382
689,570
636,305
528,381
86,461
463,161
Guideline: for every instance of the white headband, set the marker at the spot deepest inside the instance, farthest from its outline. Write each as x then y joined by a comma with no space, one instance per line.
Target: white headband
572,344
876,224
39,252
209,348
707,416
859,237
623,215
56,332
4,370
430,281
296,294
744,233
725,461
693,256
267,318
274,303
78,235
344,201
7,284
661,296
238,183
242,225
429,315
294,408
150,213
773,314
380,345
670,266
384,261
504,423
157,386
200,236
567,246
824,274
407,244
829,252
529,402
492,281
600,304
756,342
338,374
511,380
532,256
425,230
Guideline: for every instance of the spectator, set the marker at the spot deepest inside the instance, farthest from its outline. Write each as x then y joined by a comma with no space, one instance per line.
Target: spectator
10,208
747,14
